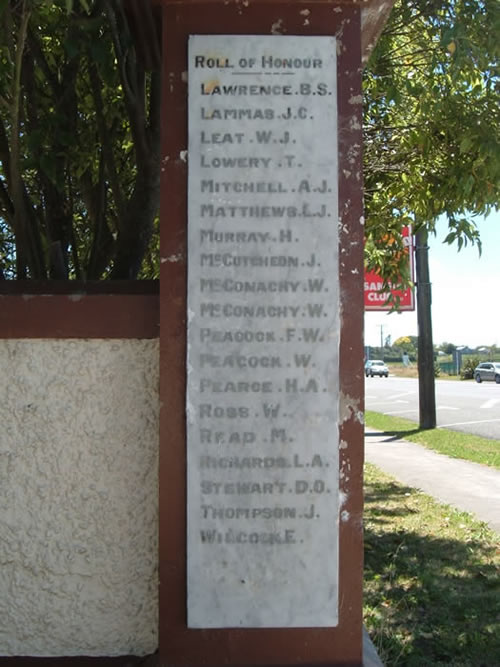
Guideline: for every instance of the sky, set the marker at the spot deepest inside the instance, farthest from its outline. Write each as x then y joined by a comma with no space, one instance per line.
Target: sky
465,293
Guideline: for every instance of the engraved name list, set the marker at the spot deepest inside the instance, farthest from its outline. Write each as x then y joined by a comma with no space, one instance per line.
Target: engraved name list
263,332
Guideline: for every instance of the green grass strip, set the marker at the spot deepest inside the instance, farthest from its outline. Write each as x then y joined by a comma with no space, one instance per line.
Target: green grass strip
451,443
431,590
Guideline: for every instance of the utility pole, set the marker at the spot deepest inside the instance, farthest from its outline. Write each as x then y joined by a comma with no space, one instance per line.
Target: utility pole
426,383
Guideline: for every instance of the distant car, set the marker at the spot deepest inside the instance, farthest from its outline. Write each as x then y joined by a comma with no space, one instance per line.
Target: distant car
488,370
376,367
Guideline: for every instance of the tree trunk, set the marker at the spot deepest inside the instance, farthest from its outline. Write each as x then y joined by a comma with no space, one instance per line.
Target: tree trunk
137,226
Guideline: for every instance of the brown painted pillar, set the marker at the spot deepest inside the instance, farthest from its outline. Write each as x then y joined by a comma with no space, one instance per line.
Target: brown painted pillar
340,644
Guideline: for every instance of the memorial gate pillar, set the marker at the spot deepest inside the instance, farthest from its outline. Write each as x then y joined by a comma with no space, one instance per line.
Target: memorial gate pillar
261,316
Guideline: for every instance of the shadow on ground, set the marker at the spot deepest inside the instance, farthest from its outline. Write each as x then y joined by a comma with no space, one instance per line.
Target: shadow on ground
390,436
430,599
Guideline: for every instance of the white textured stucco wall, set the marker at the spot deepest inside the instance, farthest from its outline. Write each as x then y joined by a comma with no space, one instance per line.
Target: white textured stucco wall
78,497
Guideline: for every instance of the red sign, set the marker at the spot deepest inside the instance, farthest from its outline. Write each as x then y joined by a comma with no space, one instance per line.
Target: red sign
376,299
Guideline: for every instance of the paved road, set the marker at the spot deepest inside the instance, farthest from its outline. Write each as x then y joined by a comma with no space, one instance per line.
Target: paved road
461,406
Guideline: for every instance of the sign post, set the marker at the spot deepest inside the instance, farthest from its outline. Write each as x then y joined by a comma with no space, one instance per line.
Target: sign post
261,302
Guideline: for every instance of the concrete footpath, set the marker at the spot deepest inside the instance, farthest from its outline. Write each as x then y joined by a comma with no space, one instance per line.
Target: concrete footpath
471,487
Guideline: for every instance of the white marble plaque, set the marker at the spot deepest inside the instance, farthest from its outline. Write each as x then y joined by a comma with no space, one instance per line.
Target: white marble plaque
263,332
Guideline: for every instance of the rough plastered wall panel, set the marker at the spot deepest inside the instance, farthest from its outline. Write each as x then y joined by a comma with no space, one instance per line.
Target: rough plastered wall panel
78,497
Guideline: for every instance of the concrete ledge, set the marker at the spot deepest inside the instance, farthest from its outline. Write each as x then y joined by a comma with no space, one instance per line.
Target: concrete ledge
370,656
370,659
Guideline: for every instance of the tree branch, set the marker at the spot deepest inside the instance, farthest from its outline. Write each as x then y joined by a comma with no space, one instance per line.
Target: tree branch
7,208
105,137
132,76
39,56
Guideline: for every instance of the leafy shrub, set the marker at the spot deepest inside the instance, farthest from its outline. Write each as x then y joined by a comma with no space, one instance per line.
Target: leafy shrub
467,372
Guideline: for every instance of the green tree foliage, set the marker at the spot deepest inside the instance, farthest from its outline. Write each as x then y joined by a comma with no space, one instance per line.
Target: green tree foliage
431,124
79,142
447,348
79,135
407,345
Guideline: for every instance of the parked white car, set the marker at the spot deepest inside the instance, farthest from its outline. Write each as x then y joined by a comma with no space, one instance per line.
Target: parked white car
376,367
